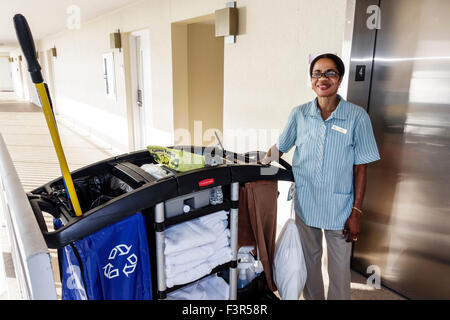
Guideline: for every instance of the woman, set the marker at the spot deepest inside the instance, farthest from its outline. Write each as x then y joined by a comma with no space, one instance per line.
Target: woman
333,142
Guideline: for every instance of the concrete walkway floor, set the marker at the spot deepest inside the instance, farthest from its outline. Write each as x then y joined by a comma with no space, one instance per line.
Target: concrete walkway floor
25,132
27,138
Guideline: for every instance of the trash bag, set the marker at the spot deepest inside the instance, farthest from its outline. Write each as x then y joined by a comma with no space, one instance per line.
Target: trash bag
289,268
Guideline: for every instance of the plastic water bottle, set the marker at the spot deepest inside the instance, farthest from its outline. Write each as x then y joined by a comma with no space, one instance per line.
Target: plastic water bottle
219,194
212,196
216,195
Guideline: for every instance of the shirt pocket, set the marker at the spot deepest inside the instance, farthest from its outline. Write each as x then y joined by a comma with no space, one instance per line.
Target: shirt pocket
343,182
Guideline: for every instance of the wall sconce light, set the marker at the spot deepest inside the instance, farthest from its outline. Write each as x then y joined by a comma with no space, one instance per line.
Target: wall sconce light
226,22
115,40
54,53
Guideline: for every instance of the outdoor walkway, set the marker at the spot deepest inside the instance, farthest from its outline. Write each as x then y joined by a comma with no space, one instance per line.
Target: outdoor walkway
26,135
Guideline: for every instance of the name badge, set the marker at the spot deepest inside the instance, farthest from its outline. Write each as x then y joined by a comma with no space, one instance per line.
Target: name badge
339,129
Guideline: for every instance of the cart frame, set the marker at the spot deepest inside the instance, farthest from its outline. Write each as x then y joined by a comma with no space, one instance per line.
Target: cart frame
148,196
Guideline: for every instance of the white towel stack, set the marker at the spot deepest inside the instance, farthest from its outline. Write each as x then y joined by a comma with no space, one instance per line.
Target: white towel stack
194,248
209,288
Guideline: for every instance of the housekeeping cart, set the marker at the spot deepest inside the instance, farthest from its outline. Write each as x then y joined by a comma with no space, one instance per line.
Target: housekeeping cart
112,218
117,189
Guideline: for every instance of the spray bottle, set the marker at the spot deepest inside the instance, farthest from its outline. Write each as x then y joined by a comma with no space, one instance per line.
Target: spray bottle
246,265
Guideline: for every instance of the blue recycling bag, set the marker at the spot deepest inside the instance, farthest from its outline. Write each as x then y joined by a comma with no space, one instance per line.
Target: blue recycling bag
73,287
111,264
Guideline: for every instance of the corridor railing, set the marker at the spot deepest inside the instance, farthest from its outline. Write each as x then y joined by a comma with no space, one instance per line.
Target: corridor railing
30,254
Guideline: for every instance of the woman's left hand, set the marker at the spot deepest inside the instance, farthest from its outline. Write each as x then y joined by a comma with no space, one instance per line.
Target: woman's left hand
352,227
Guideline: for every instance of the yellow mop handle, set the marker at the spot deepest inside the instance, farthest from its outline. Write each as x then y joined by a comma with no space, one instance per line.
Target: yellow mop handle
29,50
58,147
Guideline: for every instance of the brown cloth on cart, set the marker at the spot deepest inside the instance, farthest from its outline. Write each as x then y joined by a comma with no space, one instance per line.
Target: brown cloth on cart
258,221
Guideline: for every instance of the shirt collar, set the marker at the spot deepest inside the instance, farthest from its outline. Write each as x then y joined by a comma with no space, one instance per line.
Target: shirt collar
338,113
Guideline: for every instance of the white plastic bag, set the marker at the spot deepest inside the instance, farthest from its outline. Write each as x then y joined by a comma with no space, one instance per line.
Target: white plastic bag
289,268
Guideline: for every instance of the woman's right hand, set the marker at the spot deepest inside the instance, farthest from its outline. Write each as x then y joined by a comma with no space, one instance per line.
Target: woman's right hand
265,161
273,154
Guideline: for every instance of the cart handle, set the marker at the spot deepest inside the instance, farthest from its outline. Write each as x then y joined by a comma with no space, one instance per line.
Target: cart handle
246,156
262,154
39,202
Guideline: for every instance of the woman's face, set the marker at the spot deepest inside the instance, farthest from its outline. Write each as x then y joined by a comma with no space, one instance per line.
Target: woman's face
323,86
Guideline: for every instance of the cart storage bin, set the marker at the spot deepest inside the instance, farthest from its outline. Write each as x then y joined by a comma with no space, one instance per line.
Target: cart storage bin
93,191
115,249
194,200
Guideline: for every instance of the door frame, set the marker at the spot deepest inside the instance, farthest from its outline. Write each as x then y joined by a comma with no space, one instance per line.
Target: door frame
142,121
50,64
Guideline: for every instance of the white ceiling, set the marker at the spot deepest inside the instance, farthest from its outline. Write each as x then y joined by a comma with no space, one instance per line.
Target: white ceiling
47,17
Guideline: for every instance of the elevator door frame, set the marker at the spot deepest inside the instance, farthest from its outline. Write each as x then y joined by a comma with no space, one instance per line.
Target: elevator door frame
363,46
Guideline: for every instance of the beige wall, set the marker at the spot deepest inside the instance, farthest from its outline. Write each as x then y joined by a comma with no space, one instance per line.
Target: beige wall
205,63
197,83
265,71
180,79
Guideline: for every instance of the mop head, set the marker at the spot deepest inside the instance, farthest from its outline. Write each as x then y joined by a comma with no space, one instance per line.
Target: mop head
177,159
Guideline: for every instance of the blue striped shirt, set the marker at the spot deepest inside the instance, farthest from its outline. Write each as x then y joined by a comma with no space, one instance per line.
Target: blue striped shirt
325,152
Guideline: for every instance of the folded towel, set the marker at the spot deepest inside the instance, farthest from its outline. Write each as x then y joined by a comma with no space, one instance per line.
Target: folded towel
214,217
195,232
187,235
200,252
222,256
189,275
172,270
223,240
210,288
194,254
218,227
217,257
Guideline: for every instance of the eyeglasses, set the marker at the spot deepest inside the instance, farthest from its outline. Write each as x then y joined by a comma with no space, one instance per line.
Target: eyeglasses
327,74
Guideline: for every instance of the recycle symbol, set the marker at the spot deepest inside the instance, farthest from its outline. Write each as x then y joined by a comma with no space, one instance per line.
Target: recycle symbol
120,250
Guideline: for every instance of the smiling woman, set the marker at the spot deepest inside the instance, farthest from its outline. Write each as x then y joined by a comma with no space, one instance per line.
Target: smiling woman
333,142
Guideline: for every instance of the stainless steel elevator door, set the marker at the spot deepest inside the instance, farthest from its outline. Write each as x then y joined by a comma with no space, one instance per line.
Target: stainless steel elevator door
406,228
